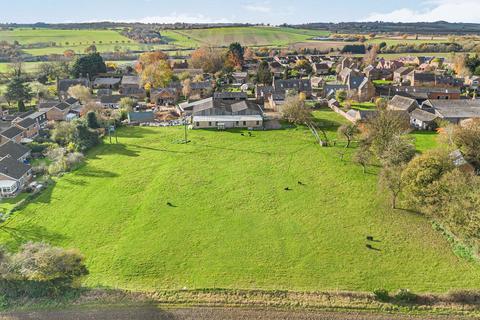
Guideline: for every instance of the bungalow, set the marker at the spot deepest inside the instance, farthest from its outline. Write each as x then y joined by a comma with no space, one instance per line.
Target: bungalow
140,117
112,101
65,84
15,151
13,133
106,83
224,114
14,175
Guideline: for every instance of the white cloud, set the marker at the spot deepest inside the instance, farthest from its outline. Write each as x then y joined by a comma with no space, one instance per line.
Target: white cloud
183,17
434,10
260,8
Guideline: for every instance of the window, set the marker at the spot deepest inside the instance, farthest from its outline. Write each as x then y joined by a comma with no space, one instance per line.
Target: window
209,123
258,123
198,124
244,123
236,122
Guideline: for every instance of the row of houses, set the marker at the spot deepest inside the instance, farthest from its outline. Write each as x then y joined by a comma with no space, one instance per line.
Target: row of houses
424,116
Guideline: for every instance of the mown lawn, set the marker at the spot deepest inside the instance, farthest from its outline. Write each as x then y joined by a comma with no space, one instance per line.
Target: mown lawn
231,223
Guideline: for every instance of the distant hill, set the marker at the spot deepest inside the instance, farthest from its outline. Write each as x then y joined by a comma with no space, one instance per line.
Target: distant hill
439,27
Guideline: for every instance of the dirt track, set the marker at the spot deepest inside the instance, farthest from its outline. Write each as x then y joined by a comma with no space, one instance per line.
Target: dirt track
154,313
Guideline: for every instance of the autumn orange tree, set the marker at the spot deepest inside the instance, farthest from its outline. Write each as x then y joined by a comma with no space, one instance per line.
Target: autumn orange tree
211,60
149,58
154,69
157,74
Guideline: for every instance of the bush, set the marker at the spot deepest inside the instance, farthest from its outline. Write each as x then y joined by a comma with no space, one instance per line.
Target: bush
381,295
406,296
74,160
39,269
40,147
464,296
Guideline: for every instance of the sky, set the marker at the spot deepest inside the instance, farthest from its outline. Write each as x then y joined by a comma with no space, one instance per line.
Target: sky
240,11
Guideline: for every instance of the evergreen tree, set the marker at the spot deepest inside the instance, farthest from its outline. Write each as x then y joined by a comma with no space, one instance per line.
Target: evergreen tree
90,65
18,91
92,120
264,75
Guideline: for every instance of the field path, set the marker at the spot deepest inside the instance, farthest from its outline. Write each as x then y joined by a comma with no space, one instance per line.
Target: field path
151,313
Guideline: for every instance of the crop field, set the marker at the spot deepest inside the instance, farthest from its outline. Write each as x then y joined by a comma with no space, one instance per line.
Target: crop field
248,36
149,213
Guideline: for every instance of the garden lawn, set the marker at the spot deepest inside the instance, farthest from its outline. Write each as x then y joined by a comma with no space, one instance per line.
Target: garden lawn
231,223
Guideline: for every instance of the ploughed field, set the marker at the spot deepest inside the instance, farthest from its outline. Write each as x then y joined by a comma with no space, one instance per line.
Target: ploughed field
150,213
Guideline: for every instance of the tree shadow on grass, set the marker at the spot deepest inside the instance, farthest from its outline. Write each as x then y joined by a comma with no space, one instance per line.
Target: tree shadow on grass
234,149
96,173
29,231
117,149
162,150
131,132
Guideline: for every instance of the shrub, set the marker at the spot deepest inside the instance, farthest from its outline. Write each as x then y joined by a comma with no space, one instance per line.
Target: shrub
464,296
40,147
405,295
74,160
381,295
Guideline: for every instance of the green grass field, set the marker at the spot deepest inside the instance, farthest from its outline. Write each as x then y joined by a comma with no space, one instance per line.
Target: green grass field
247,36
27,66
61,37
109,40
233,225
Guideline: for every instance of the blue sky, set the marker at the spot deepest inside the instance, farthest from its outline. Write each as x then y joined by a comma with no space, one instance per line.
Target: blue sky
254,11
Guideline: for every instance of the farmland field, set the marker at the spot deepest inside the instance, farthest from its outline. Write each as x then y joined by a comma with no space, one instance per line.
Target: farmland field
248,36
61,37
230,223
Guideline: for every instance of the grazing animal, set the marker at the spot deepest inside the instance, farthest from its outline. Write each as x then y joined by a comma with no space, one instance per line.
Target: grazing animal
369,246
300,183
250,134
170,204
243,135
369,238
287,189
